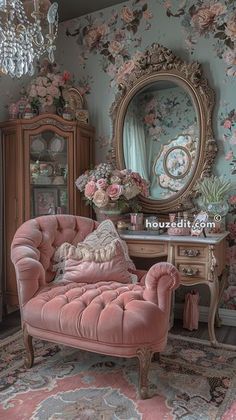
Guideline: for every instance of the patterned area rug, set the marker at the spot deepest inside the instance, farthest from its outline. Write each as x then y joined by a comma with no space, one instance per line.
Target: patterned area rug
191,381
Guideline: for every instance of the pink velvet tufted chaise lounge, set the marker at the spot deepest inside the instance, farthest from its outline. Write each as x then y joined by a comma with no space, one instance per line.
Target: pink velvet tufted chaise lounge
123,320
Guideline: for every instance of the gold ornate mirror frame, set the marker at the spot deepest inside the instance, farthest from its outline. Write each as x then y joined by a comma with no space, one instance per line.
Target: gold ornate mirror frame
159,63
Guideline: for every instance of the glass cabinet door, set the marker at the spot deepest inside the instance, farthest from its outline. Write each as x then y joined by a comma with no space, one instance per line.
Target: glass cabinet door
48,174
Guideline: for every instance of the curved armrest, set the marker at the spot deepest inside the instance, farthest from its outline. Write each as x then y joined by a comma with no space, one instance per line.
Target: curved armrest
161,279
30,273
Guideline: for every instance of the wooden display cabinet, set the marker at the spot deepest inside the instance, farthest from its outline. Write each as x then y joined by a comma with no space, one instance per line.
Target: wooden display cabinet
42,158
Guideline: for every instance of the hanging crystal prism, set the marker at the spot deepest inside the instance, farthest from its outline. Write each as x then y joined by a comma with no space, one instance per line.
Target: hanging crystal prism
22,40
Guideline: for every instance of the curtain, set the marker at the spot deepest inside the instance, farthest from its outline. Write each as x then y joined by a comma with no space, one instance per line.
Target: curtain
135,145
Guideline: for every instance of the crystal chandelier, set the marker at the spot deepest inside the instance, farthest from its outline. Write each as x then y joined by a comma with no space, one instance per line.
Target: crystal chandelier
21,37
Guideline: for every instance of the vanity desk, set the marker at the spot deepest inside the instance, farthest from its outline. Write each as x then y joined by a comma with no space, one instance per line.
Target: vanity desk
200,260
162,129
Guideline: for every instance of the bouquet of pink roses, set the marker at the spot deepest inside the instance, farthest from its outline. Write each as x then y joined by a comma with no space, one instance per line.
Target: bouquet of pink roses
47,88
105,185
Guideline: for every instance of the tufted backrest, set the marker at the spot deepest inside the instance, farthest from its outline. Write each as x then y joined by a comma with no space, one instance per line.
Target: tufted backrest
38,238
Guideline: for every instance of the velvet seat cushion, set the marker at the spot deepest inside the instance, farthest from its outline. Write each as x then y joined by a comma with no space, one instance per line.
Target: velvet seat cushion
107,312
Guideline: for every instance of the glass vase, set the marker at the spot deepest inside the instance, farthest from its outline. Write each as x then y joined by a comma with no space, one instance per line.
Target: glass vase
217,211
111,211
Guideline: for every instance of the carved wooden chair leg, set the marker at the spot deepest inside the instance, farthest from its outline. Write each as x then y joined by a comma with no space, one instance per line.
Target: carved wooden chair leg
145,356
29,360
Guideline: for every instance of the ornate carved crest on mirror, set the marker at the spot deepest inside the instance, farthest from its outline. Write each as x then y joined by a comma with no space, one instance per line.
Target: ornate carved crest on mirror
162,127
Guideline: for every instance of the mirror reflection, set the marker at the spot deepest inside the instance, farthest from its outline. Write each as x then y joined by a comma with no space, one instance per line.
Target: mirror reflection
161,137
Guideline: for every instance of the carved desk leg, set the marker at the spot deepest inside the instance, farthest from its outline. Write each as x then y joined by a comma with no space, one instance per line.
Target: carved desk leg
213,284
145,356
223,280
29,360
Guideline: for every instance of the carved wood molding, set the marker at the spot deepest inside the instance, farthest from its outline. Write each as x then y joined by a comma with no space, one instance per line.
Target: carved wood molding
48,121
160,63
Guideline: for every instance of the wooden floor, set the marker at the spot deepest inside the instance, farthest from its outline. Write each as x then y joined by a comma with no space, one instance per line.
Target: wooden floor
224,334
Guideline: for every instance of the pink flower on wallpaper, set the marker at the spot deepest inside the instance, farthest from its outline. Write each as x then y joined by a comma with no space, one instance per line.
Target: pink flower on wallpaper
149,119
227,124
231,227
127,68
115,47
127,14
231,255
229,155
102,29
147,15
233,138
218,9
231,29
203,18
230,57
232,200
91,38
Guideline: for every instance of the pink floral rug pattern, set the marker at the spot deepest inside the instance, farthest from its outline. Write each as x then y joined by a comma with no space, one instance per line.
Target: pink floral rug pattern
191,381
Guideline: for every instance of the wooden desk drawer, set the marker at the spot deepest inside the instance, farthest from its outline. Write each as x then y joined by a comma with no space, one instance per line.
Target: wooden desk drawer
147,250
191,271
197,252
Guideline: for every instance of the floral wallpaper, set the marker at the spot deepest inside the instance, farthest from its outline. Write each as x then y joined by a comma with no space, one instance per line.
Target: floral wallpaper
104,46
214,20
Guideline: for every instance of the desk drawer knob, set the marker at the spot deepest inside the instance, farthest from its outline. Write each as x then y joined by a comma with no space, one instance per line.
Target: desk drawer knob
190,272
191,252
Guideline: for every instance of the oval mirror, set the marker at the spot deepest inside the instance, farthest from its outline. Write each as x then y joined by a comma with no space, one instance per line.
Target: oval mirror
161,137
162,127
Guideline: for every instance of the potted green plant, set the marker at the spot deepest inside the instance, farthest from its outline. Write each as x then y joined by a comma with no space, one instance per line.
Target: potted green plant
214,192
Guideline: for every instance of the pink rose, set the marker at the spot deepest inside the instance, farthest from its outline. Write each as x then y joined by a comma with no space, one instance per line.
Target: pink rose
100,198
114,191
218,9
53,91
42,91
115,47
101,183
92,37
229,155
127,68
231,29
90,189
232,200
102,29
127,15
230,57
203,18
227,124
149,119
147,15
